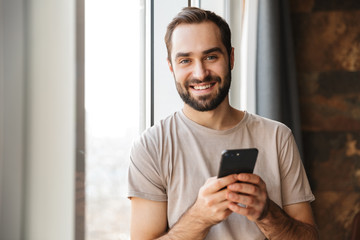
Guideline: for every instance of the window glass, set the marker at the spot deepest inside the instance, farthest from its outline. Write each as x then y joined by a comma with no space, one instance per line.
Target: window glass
112,68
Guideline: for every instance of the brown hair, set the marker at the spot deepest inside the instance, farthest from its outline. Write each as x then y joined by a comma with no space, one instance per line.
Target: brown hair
190,15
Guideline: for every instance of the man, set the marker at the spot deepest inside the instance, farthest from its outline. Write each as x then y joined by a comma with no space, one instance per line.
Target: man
173,187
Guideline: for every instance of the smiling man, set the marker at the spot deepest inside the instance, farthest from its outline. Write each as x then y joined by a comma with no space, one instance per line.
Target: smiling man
173,187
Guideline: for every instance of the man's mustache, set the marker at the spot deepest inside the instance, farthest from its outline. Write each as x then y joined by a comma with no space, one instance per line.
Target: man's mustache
206,79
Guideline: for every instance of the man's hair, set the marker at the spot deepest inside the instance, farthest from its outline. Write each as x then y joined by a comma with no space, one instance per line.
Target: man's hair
191,15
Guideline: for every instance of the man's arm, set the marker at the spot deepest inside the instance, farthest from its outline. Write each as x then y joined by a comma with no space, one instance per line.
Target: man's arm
149,221
279,224
149,218
294,222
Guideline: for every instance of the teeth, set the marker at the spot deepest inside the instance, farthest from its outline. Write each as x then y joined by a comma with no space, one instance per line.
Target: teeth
202,87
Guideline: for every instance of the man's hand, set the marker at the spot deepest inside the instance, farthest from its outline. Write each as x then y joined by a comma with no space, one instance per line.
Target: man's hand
210,208
212,205
296,222
251,193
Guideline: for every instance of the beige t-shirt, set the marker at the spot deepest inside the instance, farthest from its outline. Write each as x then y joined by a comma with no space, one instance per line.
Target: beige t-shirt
173,159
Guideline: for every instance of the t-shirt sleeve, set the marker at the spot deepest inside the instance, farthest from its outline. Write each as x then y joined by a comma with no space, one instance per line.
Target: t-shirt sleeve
294,181
144,175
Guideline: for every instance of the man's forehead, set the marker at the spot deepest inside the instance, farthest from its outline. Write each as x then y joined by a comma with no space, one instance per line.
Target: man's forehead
197,28
196,37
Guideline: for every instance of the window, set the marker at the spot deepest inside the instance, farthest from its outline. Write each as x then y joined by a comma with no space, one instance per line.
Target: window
126,82
112,72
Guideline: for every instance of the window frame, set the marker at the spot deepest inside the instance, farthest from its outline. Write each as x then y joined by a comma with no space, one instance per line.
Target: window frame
79,214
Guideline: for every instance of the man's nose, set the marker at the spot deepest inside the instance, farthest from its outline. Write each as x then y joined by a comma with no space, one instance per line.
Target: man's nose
200,71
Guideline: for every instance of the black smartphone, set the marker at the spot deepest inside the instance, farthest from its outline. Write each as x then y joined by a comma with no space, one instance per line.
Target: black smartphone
235,161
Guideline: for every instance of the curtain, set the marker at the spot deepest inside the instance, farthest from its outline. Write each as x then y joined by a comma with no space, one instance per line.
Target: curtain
276,84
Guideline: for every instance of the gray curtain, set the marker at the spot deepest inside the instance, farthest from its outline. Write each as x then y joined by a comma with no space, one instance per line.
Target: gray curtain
276,84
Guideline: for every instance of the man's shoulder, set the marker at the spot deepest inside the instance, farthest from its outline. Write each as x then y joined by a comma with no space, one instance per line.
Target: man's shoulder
160,128
152,140
266,124
163,124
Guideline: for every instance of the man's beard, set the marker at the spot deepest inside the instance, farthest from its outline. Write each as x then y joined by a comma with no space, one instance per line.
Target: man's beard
207,102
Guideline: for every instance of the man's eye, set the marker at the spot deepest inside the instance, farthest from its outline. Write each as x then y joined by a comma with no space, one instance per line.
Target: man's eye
213,57
184,61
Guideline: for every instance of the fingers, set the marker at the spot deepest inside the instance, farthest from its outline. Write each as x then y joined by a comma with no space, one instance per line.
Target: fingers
248,197
250,178
243,210
216,206
246,200
245,194
215,184
214,198
251,207
250,184
251,213
254,212
212,205
244,188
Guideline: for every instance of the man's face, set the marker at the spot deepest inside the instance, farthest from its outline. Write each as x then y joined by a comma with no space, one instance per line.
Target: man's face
200,64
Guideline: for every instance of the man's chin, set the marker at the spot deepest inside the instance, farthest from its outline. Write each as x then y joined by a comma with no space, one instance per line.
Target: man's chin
202,106
202,103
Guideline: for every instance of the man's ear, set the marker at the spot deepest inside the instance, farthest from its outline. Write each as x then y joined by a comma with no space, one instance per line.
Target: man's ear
232,59
170,65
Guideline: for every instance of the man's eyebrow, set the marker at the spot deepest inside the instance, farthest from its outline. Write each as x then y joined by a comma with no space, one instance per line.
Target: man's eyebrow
182,54
187,54
211,50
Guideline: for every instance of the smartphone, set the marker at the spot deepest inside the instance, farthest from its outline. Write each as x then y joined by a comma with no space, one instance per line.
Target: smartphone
235,161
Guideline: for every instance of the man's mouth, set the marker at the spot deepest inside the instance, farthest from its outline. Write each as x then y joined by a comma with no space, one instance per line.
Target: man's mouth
203,87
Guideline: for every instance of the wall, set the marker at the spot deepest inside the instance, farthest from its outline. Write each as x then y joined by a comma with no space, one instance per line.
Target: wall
50,120
11,118
37,119
327,45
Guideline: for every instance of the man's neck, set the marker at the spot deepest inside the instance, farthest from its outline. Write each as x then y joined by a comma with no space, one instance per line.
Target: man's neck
222,118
